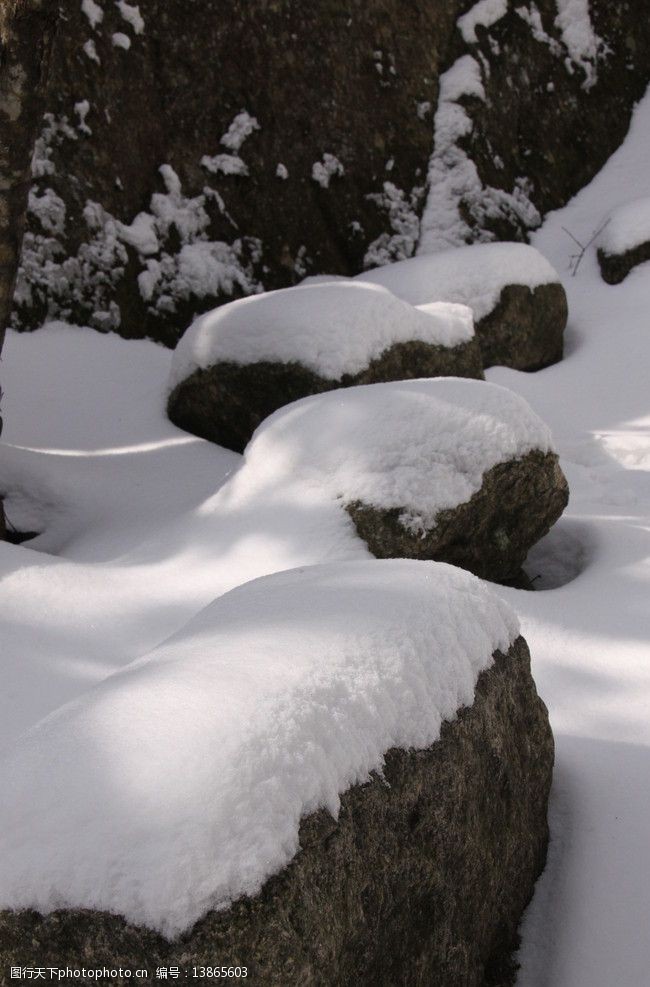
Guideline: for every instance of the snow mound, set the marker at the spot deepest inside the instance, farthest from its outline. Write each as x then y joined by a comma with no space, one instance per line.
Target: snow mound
422,445
333,328
473,275
628,227
178,784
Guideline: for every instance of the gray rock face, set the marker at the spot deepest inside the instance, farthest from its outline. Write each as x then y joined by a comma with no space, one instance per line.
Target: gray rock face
616,267
525,330
421,881
226,402
491,533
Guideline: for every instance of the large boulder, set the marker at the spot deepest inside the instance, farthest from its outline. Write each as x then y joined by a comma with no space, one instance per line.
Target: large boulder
624,240
519,304
335,775
238,364
490,534
275,164
460,471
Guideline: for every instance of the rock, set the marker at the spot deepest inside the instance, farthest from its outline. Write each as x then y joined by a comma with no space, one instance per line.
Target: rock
616,267
422,880
226,403
525,330
239,364
460,471
563,81
334,178
519,305
491,533
624,240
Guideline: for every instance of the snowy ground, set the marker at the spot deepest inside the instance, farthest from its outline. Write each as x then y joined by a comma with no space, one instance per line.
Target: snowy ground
589,638
141,531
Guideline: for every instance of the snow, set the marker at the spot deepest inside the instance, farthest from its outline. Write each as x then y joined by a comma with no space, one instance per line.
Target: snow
282,172
144,526
456,194
324,171
627,227
402,215
462,79
140,234
207,752
121,40
82,109
474,275
131,14
420,445
225,164
93,12
583,44
333,328
485,13
49,209
63,283
589,637
532,17
239,130
90,51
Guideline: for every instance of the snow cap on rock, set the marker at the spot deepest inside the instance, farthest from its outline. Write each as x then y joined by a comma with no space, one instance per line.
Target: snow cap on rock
333,328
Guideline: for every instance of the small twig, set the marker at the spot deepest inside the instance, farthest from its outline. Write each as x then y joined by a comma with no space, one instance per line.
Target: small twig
575,260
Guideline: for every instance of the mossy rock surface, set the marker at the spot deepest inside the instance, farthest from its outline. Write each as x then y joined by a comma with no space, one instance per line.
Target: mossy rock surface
490,534
226,402
421,881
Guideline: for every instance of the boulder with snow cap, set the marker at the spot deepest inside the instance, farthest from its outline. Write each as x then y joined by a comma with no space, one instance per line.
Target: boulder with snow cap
343,774
519,304
238,364
624,240
457,470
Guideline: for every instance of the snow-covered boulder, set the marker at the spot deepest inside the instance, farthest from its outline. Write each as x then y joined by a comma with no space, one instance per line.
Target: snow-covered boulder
519,304
239,363
340,773
456,470
624,241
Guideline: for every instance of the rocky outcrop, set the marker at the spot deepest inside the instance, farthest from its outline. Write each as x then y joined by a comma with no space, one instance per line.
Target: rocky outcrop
536,99
275,165
226,402
526,329
490,534
422,879
276,162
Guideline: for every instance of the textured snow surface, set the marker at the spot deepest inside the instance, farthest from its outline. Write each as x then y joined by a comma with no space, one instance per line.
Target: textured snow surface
473,275
586,926
627,227
206,753
143,526
484,14
332,328
422,445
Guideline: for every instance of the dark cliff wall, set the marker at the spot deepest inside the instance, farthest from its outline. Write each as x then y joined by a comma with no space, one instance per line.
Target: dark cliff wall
295,138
